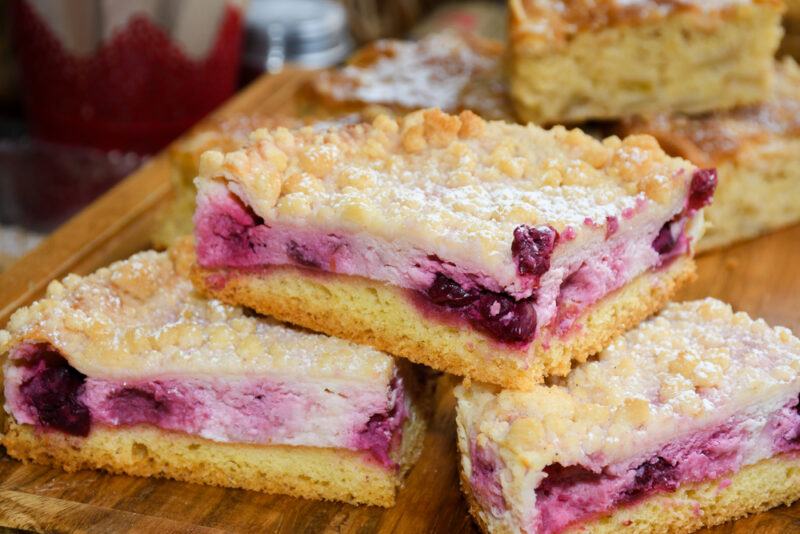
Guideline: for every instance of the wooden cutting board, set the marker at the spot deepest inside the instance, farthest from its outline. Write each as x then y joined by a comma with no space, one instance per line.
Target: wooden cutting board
761,277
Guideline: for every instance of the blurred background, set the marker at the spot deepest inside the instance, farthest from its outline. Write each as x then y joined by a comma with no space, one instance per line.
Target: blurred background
90,88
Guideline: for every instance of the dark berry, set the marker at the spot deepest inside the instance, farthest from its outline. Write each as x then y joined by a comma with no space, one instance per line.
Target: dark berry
380,435
664,242
704,182
656,474
612,225
506,319
54,392
532,248
559,476
301,254
447,292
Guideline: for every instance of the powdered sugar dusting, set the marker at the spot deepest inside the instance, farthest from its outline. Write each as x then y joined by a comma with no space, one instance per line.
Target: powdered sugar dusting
431,72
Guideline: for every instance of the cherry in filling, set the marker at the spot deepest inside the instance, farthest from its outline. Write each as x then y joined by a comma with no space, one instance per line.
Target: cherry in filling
133,406
701,190
498,314
383,431
59,397
54,390
532,248
573,494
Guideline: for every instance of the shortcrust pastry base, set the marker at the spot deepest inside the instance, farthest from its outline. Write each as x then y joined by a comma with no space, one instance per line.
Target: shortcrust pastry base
680,66
758,192
755,488
383,316
307,472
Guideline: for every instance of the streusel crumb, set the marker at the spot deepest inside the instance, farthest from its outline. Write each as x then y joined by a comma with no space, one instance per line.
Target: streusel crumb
140,316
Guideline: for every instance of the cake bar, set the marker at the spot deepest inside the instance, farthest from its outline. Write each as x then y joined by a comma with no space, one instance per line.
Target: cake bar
688,421
129,371
495,251
756,150
573,60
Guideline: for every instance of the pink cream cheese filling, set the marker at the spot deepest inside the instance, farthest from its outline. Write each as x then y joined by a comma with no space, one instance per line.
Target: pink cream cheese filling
44,390
548,291
571,495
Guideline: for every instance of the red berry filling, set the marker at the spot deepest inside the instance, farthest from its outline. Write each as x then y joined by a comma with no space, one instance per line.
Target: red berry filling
532,248
574,494
498,314
384,430
53,391
701,191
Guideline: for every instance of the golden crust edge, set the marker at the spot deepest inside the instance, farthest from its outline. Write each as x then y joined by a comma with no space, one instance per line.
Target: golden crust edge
626,518
146,451
624,308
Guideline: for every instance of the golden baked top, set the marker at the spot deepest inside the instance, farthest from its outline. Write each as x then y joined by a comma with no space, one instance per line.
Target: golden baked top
538,25
711,138
694,365
450,184
140,317
432,72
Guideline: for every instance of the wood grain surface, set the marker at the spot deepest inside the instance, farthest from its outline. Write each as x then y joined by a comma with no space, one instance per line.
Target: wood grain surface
760,277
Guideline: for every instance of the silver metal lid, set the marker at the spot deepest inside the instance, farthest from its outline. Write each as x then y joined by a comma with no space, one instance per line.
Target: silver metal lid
312,33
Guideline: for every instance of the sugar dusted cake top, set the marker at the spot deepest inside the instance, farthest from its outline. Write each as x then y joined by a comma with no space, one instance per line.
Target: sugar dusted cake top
411,74
542,24
714,137
456,186
692,366
139,318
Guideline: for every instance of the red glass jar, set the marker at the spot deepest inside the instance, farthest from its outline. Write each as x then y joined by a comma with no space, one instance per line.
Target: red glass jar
130,75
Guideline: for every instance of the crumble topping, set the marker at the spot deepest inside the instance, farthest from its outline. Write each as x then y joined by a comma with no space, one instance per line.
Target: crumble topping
225,134
711,138
540,25
431,72
233,132
140,317
454,184
694,365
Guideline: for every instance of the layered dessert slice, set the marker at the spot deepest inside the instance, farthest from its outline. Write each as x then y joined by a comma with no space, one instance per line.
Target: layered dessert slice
690,420
448,70
129,371
756,150
573,60
489,250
